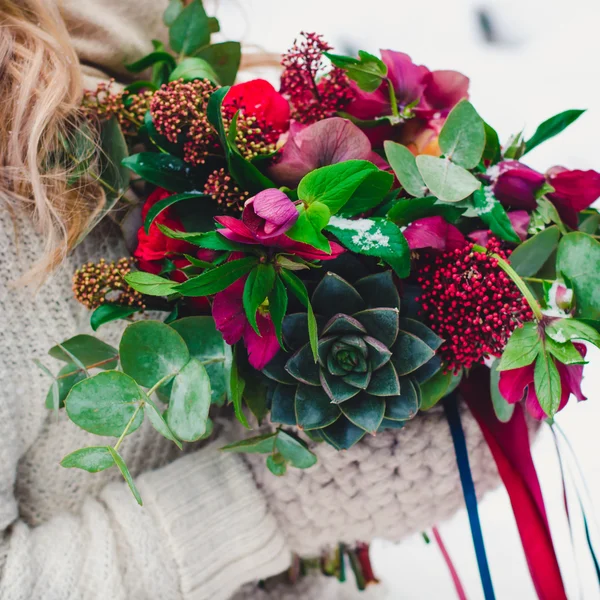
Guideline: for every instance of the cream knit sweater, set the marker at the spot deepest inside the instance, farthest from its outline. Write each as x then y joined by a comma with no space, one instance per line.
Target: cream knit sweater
211,522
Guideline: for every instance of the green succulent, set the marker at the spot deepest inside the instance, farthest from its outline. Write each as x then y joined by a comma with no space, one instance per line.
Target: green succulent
370,362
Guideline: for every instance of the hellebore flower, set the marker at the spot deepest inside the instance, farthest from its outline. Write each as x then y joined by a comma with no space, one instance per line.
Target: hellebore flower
519,219
573,192
153,247
518,383
515,184
230,320
435,233
269,214
323,143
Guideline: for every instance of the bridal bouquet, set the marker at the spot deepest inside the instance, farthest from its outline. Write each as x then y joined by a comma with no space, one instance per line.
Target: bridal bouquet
332,256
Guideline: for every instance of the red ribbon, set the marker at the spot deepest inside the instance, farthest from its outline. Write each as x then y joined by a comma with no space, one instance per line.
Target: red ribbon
460,591
509,444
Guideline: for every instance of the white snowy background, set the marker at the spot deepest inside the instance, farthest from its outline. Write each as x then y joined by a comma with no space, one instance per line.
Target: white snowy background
545,59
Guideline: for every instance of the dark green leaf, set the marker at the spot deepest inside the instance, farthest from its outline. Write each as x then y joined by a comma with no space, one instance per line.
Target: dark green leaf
217,279
225,59
211,240
522,348
92,459
403,161
462,139
502,408
314,408
547,383
106,313
67,377
151,351
150,284
164,170
190,400
276,464
126,474
551,127
409,353
563,330
162,205
447,181
492,213
590,224
278,302
172,12
190,30
294,450
91,351
261,444
192,68
528,258
578,259
342,434
282,404
104,404
151,59
434,389
236,386
492,151
365,411
405,211
367,70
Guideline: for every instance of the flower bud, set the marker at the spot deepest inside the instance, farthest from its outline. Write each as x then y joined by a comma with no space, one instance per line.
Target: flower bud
515,184
269,214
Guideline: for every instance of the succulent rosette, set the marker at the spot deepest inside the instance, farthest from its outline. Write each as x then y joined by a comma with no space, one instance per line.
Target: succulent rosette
370,362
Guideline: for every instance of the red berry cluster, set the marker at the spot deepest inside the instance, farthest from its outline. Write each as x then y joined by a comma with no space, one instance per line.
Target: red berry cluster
179,108
313,98
471,303
225,192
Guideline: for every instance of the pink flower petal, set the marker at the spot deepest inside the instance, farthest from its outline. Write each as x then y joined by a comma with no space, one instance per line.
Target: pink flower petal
445,89
261,350
579,188
520,219
228,312
512,383
571,375
235,226
533,404
408,79
433,232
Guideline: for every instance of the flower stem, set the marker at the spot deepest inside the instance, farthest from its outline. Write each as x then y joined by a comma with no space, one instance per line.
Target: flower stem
393,100
537,280
533,303
128,426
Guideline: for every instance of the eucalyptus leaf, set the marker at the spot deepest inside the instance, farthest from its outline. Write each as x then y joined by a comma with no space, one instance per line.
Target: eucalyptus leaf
529,257
294,450
126,474
261,444
502,408
462,138
277,464
447,181
404,164
67,377
159,423
91,351
92,459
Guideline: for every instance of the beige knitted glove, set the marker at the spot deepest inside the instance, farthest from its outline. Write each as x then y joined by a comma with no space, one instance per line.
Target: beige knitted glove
388,486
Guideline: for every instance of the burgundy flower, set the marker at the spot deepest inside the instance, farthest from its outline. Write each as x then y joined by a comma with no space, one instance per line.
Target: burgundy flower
574,192
153,247
435,233
323,143
230,319
237,231
515,184
517,384
519,219
269,214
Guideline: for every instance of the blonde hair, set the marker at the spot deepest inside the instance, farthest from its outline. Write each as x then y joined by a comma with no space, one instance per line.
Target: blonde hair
41,90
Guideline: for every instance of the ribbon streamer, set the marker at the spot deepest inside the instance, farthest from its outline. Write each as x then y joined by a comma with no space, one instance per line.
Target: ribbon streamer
460,590
466,479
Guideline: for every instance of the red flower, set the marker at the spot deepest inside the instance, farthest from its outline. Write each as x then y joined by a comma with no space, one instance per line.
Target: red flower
516,384
515,184
230,319
435,233
574,192
154,246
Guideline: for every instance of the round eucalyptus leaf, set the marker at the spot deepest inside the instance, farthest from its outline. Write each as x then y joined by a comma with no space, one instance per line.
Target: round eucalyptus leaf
276,464
151,350
104,404
294,451
92,459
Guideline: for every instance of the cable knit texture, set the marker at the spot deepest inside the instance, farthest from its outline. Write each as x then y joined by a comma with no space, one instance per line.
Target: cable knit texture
209,523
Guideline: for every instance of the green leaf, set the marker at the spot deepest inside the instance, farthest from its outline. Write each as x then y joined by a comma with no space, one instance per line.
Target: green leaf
92,459
563,330
276,464
106,313
192,68
334,185
224,58
590,224
502,408
522,348
159,423
91,351
152,59
190,30
492,213
369,194
529,257
172,12
236,386
206,344
547,383
492,151
67,377
211,240
551,127
564,352
367,70
314,408
126,474
151,351
405,211
435,388
164,170
256,289
578,259
447,181
150,284
374,237
404,164
104,404
162,205
278,302
307,228
214,25
187,414
364,411
217,279
261,444
294,450
298,288
462,138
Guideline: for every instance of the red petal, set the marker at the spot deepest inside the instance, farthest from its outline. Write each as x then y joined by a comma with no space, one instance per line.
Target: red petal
228,312
261,350
512,383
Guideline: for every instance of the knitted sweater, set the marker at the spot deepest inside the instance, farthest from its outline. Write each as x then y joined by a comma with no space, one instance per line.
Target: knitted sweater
211,522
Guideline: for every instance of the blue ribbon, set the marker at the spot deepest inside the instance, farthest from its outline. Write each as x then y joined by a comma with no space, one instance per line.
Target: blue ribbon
466,479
